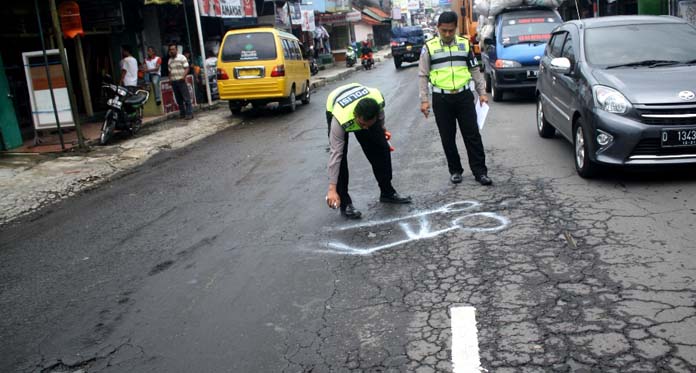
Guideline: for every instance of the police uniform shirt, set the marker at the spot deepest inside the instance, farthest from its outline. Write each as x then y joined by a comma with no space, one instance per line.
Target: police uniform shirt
424,73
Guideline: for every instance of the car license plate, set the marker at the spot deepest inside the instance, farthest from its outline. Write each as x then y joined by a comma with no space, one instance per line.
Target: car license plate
532,74
249,72
408,55
674,137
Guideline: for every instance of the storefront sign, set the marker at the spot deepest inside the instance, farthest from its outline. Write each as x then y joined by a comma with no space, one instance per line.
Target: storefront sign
308,23
329,19
42,109
227,8
70,21
354,16
168,100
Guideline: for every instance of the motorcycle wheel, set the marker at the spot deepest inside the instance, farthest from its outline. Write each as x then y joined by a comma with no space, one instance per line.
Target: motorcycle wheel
138,122
107,129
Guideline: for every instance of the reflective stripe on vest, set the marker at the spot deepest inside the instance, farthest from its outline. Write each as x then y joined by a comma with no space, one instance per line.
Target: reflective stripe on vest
449,65
342,101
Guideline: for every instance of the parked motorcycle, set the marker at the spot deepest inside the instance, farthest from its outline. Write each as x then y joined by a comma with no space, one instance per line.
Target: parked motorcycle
313,67
125,111
351,56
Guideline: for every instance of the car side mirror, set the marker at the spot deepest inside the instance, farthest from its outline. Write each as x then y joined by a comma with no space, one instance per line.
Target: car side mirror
560,65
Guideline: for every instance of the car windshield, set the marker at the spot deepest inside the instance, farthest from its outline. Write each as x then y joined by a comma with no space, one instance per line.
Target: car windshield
527,30
253,46
650,45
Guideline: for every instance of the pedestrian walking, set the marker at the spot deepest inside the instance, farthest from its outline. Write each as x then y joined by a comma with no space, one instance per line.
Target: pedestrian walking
129,69
153,72
178,69
449,64
360,110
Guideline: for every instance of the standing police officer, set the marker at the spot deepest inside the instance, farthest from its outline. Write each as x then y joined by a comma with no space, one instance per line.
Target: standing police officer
448,63
357,109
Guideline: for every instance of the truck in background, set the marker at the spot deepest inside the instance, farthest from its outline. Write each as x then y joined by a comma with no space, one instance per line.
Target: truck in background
468,22
511,51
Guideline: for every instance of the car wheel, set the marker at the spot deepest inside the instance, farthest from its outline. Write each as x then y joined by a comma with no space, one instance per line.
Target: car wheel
583,165
397,62
235,109
495,91
292,102
544,128
488,83
307,95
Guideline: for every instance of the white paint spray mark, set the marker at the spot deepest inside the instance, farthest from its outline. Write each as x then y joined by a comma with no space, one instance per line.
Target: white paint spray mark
465,349
450,207
424,230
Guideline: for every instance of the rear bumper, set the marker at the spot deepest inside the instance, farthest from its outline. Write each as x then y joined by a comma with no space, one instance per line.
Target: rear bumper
252,89
407,55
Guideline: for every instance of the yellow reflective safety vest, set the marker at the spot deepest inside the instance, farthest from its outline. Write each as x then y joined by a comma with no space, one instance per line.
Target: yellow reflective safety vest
449,64
342,101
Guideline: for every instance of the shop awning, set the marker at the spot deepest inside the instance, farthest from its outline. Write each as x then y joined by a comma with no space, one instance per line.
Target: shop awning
376,13
369,20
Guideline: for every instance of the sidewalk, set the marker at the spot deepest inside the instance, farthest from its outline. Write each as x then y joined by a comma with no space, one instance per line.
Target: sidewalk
30,180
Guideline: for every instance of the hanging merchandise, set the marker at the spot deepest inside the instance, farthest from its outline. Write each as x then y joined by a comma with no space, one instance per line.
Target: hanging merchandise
308,20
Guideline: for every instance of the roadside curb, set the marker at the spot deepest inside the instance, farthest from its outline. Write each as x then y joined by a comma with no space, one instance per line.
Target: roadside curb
320,82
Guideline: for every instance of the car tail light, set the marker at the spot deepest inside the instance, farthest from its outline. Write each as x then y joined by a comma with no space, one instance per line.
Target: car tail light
278,70
222,75
394,44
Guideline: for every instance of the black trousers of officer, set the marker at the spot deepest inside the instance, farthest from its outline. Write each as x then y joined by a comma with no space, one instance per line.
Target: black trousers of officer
376,149
450,109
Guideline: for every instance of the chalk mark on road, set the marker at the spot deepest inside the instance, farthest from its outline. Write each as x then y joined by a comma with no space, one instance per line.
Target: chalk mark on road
424,231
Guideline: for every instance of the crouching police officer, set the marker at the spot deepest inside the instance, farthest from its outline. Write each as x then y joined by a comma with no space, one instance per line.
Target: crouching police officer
360,110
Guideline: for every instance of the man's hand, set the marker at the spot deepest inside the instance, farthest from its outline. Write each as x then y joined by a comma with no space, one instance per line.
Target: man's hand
332,198
483,99
425,108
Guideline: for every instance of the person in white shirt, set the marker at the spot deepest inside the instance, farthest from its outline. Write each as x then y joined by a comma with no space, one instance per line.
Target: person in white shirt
153,72
129,68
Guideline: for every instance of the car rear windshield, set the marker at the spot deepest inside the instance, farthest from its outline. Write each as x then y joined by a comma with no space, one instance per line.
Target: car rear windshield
253,46
406,32
634,43
528,30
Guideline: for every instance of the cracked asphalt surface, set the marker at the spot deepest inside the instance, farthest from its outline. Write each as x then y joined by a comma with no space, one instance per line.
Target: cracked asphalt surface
217,257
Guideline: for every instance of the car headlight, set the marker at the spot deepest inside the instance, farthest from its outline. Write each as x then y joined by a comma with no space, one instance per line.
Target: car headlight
610,100
506,64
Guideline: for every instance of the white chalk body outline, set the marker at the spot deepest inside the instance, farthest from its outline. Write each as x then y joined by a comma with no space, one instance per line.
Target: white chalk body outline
424,225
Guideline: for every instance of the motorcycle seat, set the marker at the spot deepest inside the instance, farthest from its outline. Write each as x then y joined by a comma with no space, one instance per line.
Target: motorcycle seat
136,99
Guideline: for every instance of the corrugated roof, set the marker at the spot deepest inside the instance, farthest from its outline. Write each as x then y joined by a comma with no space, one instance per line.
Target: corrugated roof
369,20
379,12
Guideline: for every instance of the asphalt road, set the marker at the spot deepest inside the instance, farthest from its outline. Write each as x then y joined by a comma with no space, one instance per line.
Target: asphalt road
224,258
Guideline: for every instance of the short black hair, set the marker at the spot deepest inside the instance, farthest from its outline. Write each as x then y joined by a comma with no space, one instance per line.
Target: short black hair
447,17
173,44
127,48
367,108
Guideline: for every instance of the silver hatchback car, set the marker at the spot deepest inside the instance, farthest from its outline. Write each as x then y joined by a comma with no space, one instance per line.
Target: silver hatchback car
622,90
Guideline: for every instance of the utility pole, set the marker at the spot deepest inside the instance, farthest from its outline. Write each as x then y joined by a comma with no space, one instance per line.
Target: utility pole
66,71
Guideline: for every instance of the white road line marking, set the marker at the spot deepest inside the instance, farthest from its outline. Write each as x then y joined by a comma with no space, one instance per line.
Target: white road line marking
465,351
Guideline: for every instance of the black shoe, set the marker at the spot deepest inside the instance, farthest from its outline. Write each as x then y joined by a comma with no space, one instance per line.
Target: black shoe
350,212
395,198
484,180
158,103
189,117
456,178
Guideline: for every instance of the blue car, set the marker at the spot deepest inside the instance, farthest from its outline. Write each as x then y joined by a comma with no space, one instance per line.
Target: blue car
511,57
